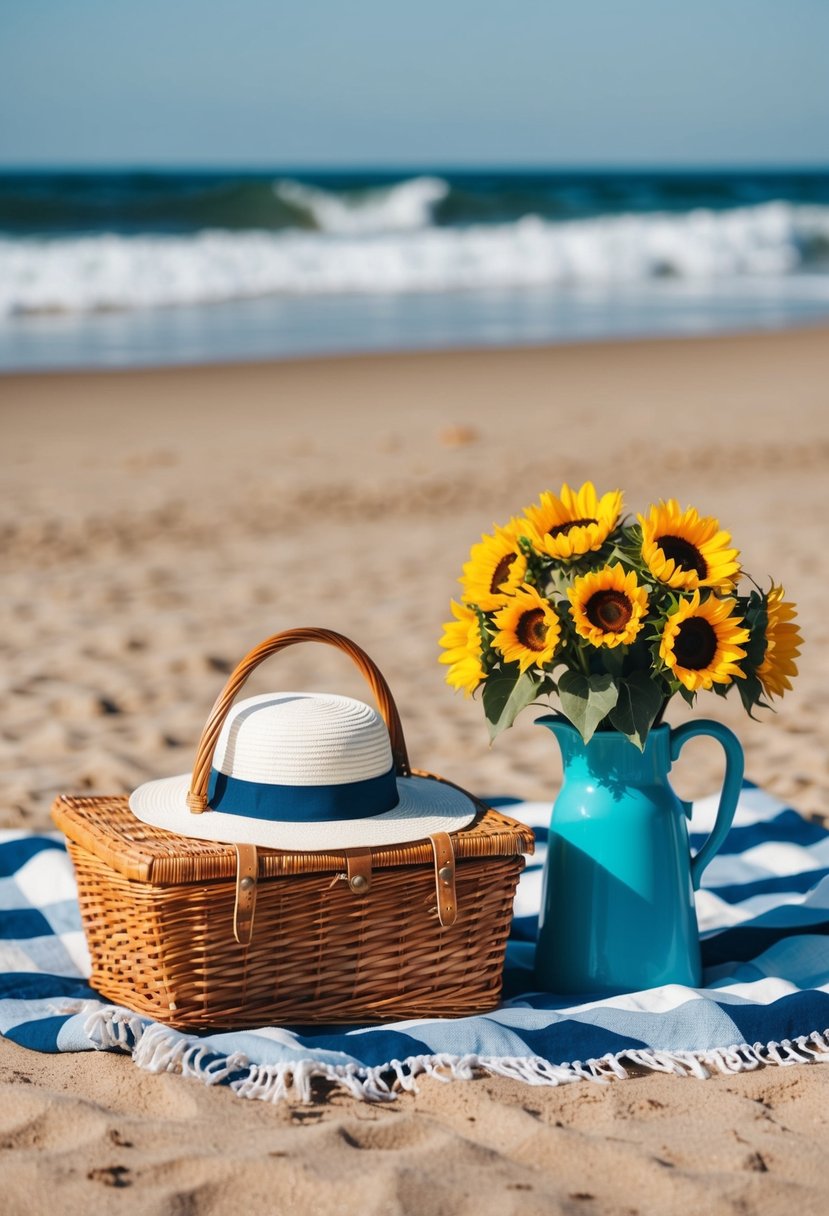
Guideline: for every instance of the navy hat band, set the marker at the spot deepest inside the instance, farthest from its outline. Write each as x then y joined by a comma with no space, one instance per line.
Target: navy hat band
302,803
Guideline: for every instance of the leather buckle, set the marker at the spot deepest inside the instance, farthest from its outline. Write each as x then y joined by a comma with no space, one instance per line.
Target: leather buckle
247,869
445,878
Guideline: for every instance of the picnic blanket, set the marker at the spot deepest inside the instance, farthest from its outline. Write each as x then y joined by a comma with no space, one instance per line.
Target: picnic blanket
764,922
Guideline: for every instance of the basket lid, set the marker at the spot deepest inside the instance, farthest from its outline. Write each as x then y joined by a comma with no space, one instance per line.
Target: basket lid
106,827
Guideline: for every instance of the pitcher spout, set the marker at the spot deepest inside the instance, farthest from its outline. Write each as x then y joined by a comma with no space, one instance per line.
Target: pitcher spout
566,734
556,723
610,755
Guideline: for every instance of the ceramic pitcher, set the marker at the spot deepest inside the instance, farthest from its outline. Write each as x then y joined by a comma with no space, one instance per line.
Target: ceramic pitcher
617,911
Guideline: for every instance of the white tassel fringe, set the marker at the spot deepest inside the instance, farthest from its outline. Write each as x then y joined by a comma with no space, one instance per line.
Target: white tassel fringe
157,1048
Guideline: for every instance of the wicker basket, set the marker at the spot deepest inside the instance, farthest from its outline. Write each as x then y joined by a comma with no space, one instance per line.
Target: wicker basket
203,935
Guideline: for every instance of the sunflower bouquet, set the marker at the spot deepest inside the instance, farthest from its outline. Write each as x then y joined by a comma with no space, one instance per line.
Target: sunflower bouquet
613,617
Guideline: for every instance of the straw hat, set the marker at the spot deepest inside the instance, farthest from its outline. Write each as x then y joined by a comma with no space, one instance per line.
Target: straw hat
305,771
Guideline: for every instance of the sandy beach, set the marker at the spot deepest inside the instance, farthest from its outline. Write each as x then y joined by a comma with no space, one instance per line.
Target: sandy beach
158,524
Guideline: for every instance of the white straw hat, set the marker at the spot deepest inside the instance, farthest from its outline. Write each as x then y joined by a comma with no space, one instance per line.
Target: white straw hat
305,771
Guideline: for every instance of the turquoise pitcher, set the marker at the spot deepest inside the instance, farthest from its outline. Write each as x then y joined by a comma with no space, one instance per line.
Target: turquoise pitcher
617,909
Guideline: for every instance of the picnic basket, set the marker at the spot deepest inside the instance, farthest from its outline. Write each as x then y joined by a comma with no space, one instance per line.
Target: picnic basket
204,935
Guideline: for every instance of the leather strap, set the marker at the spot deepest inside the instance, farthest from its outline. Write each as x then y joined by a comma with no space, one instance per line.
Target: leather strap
247,869
358,862
445,878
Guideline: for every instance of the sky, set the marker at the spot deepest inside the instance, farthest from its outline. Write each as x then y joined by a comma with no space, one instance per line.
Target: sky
433,82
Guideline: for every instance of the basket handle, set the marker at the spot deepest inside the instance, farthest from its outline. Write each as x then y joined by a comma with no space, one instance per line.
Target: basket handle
197,797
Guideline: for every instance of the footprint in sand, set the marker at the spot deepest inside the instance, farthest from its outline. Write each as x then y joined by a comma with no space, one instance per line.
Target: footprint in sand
389,1135
35,1118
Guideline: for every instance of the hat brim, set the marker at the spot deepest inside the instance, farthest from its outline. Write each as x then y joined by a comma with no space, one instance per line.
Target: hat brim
426,806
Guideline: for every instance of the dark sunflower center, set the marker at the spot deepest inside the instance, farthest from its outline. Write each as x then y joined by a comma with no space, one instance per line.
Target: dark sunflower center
563,529
686,555
531,630
609,610
501,572
695,644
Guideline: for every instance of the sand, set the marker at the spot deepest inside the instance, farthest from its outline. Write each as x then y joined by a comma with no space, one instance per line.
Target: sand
156,525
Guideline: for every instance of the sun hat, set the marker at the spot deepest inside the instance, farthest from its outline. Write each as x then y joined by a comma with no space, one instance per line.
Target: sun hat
303,771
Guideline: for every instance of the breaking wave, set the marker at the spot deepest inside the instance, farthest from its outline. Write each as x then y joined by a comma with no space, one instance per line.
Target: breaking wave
397,208
383,240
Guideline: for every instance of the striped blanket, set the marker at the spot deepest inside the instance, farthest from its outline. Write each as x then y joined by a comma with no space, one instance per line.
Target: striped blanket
764,921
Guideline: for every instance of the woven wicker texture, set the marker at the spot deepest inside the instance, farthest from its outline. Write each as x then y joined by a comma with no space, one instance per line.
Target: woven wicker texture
164,946
158,908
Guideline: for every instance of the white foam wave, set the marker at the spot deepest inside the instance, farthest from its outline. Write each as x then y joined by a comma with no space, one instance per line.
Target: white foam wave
83,274
398,208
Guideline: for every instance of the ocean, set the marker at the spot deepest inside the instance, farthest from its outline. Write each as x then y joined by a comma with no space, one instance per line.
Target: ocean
138,267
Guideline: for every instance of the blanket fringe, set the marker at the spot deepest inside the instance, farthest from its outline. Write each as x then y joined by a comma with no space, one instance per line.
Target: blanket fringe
157,1048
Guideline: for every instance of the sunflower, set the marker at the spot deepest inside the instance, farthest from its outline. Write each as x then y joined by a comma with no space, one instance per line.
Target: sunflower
576,523
495,569
529,629
702,642
783,642
687,550
464,653
607,606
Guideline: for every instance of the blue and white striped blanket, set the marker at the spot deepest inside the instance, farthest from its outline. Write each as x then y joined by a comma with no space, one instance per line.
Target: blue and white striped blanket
764,920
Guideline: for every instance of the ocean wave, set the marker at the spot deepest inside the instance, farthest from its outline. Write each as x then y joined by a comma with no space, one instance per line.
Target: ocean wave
398,208
92,273
61,203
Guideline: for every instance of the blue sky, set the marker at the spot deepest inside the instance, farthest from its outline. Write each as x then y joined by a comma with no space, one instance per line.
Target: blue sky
377,82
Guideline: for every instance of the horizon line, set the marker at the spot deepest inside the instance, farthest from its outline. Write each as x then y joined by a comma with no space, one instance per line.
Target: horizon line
388,167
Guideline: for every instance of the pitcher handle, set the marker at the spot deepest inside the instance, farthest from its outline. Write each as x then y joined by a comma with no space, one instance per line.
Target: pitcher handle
732,784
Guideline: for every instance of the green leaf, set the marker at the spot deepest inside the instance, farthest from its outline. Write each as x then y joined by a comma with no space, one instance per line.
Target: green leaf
586,700
506,694
751,695
547,686
756,618
640,700
613,658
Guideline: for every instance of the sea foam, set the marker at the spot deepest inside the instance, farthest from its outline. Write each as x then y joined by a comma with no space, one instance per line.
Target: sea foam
397,208
387,244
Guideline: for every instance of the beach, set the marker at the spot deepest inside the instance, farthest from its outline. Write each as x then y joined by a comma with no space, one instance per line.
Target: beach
157,524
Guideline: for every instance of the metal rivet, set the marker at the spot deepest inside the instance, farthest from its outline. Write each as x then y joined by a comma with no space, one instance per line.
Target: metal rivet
246,884
359,882
445,873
